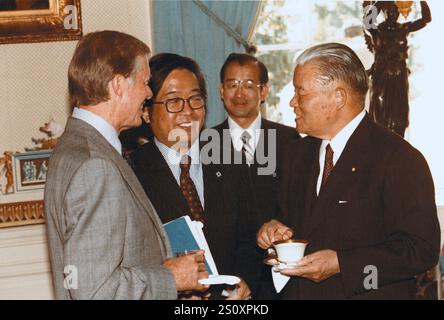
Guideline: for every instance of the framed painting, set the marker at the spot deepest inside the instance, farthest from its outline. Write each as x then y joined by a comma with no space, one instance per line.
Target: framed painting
39,20
22,204
30,170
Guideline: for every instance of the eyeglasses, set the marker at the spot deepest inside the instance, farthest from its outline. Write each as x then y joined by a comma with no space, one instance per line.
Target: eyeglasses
248,85
176,105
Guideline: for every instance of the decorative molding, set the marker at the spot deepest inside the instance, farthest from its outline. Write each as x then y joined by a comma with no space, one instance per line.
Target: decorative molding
21,213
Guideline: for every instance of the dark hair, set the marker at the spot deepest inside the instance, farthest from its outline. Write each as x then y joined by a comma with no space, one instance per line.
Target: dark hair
163,64
98,57
243,59
336,61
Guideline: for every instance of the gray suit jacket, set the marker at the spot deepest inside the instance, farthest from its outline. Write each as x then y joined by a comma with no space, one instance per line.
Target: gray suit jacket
101,225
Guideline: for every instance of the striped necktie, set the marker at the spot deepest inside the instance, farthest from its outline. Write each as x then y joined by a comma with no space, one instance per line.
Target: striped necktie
328,164
189,190
246,147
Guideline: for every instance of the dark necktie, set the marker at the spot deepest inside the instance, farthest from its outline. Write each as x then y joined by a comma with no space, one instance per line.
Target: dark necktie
328,164
246,148
189,189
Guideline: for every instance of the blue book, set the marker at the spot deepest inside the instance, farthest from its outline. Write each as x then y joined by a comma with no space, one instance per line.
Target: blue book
182,237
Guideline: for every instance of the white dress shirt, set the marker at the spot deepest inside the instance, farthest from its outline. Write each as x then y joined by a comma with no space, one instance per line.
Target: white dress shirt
338,144
236,132
105,129
172,158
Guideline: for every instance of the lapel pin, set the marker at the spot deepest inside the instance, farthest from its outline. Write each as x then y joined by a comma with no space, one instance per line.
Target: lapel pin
218,174
353,169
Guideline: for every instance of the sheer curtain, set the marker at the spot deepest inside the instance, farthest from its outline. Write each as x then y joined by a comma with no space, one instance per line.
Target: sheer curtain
191,28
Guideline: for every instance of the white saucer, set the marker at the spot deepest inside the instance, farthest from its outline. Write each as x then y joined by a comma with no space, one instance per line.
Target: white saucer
220,279
282,266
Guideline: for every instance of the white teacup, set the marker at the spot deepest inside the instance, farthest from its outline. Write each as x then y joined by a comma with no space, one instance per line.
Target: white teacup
290,251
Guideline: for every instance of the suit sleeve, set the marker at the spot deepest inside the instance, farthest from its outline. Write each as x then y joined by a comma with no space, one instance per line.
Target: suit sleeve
411,224
96,225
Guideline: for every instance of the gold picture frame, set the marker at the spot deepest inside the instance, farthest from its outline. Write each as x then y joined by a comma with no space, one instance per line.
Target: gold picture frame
21,198
30,170
48,20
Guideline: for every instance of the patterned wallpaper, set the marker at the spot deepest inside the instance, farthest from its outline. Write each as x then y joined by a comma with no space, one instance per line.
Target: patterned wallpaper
33,82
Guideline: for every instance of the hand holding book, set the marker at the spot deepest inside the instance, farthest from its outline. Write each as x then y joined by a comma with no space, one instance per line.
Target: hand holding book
186,235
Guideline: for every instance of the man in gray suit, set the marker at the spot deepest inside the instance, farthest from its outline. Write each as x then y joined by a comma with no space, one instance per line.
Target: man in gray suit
105,238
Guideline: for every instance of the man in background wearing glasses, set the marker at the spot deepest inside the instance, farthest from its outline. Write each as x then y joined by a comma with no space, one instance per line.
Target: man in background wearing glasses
243,90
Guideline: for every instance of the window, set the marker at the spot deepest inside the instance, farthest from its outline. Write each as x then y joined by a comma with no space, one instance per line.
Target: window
286,27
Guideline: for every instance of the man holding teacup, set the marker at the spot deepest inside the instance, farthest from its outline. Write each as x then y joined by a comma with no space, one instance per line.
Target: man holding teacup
360,195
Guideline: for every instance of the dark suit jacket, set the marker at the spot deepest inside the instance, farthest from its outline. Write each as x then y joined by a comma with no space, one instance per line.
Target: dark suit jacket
263,188
377,209
226,213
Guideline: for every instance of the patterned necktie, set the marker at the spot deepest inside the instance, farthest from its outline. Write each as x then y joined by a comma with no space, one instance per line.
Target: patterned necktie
189,189
328,164
246,147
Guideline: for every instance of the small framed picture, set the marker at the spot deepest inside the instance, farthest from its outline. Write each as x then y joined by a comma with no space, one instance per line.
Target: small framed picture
30,170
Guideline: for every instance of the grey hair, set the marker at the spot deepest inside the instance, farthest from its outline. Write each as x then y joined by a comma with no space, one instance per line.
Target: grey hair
140,61
336,61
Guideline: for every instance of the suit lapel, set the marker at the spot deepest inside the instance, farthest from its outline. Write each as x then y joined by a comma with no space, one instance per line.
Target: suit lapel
213,177
206,171
343,176
127,174
311,176
158,170
262,142
134,184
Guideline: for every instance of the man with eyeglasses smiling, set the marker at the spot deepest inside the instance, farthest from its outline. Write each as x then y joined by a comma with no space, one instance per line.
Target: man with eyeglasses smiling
176,105
176,179
243,90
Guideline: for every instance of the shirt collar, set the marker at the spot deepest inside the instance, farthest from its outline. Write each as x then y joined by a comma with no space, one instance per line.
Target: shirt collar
171,156
101,125
339,142
236,131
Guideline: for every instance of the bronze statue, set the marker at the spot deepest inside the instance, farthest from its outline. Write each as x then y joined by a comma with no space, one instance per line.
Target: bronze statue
389,99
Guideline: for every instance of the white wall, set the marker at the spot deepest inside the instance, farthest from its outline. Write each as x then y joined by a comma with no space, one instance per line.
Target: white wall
426,108
33,87
33,77
24,263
